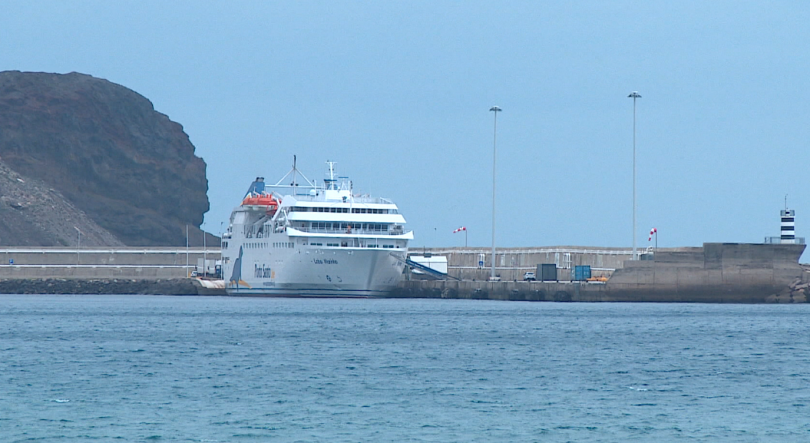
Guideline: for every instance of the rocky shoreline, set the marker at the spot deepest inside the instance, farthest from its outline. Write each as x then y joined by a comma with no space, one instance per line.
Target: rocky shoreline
172,286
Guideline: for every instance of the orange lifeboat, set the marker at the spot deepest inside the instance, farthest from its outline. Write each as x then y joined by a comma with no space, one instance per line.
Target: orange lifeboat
262,199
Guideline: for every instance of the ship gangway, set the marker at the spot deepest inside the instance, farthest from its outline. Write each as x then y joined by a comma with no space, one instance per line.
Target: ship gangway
426,270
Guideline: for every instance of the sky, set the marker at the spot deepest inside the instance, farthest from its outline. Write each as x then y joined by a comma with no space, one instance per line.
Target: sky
398,94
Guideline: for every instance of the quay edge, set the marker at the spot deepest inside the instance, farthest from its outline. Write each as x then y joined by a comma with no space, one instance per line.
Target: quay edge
126,286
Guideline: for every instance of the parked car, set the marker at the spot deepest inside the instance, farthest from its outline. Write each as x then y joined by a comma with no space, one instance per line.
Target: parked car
529,276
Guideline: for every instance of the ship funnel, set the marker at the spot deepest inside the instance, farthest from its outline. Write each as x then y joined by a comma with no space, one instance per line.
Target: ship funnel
257,187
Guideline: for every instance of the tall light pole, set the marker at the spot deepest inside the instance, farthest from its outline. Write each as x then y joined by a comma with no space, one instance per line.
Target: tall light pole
634,95
78,244
205,255
496,110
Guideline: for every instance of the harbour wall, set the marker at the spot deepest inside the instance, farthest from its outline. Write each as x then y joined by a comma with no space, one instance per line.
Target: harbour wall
95,263
169,286
502,290
714,273
737,272
510,263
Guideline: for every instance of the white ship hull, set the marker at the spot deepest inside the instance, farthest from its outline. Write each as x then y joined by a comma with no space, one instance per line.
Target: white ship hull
318,272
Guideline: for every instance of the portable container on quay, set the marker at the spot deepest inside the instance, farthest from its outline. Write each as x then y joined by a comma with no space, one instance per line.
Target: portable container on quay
581,273
547,272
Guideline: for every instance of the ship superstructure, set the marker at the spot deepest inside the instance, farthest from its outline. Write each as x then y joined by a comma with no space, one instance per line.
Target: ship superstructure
305,239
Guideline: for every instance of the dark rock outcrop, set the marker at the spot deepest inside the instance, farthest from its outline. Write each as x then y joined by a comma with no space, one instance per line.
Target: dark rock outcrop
103,147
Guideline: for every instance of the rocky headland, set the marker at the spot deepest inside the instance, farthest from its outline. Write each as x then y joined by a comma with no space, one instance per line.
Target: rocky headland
82,153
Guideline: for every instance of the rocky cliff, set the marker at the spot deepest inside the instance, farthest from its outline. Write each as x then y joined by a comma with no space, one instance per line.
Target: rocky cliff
34,214
116,167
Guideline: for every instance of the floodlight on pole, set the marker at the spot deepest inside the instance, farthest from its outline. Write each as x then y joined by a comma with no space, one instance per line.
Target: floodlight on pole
634,95
496,110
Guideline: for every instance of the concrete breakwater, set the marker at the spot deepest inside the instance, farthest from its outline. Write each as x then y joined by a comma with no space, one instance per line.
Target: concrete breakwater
714,273
512,291
116,270
796,292
171,286
471,263
120,263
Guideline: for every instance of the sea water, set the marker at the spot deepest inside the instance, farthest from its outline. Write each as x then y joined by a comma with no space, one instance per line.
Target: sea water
218,369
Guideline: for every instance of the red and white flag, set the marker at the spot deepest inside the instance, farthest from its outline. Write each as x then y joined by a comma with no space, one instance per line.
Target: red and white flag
653,231
460,229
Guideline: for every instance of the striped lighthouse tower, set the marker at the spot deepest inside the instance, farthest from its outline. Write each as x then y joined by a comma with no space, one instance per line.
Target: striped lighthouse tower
788,226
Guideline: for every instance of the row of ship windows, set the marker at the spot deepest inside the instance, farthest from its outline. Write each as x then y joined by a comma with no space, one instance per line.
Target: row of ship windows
257,245
364,226
337,245
342,210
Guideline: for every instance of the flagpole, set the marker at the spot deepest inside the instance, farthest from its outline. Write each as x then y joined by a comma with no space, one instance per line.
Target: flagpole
494,109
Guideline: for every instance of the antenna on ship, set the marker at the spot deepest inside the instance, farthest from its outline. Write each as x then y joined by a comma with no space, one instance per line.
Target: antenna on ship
294,172
330,182
295,160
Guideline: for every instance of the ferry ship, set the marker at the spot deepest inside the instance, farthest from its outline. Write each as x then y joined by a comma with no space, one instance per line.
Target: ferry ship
310,240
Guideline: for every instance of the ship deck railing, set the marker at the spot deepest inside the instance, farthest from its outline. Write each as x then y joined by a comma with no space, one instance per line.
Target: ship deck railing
320,198
352,232
782,241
